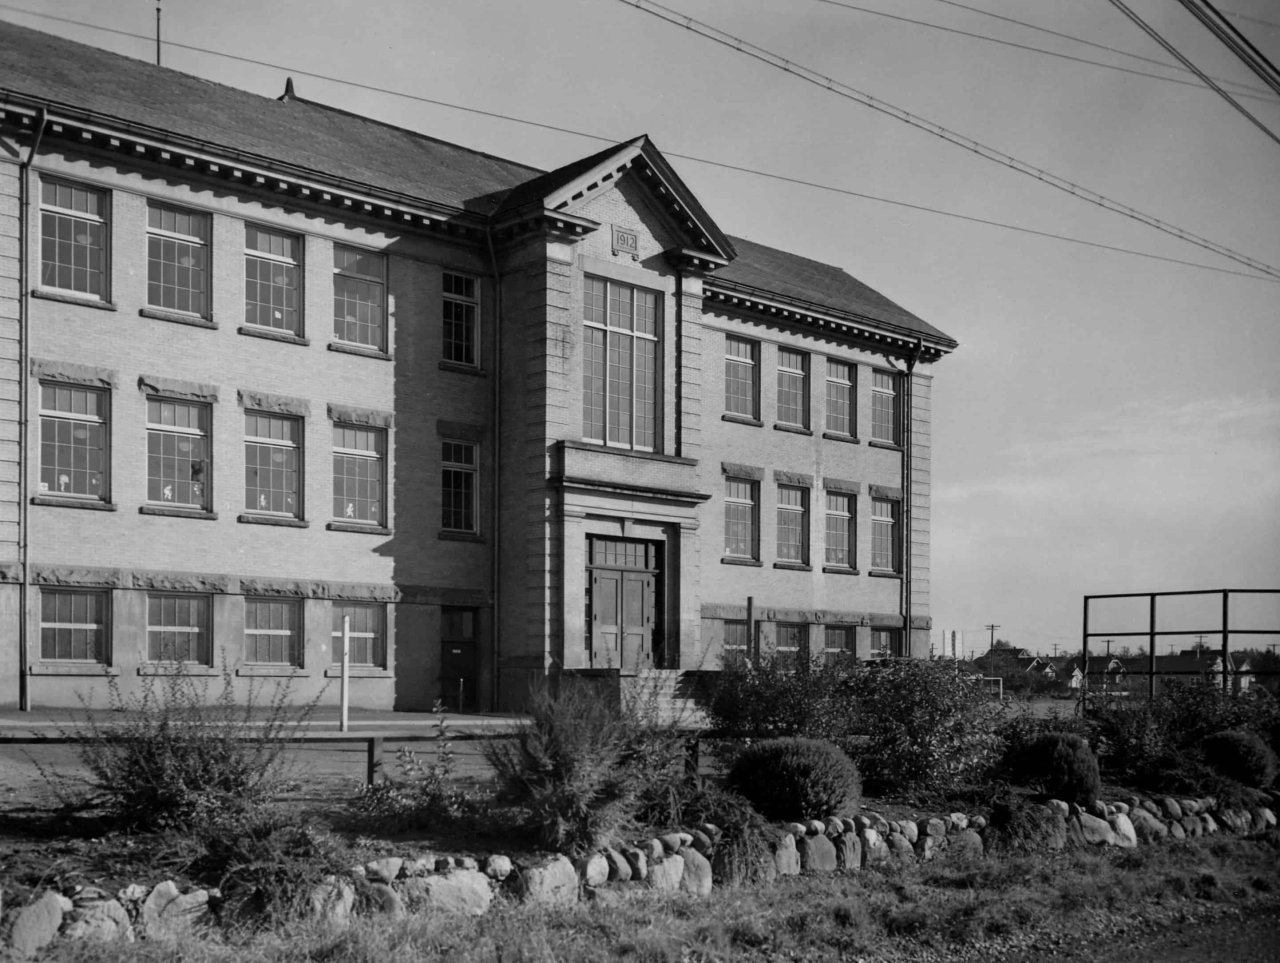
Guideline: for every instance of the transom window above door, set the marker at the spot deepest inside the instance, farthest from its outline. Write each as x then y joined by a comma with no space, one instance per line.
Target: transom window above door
622,328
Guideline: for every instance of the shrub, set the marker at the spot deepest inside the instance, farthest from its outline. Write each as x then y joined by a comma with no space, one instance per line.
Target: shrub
1018,826
794,778
1241,755
169,758
768,697
1060,764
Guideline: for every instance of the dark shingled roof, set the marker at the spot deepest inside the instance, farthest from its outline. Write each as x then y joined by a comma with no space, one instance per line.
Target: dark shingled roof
332,143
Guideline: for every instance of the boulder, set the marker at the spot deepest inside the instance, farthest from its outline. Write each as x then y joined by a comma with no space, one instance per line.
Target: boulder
1121,808
958,821
386,900
638,862
653,849
900,848
619,868
425,865
1210,824
874,849
169,914
879,824
795,829
1189,807
712,830
1176,831
35,925
463,892
1151,806
848,852
929,847
696,879
666,873
786,856
1263,819
383,870
1193,826
1096,832
966,844
932,827
551,882
670,843
815,827
331,901
593,869
497,867
978,822
98,920
1122,827
1059,806
1146,826
1097,808
133,893
817,854
909,830
702,842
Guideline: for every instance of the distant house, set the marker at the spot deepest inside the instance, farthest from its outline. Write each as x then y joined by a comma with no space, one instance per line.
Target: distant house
1130,674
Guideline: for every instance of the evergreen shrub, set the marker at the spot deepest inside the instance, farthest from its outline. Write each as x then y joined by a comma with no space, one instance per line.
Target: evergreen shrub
1061,765
795,778
1240,755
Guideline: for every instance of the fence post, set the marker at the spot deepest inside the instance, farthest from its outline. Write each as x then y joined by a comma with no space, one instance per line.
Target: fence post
374,759
1151,652
1084,662
1226,632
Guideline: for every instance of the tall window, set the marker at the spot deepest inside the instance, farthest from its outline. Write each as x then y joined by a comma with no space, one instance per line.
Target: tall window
737,646
741,374
458,486
272,262
368,633
793,644
272,464
884,406
840,529
886,553
178,629
459,309
793,388
73,238
887,644
73,441
358,478
793,524
177,453
359,297
740,518
620,364
838,642
74,625
272,631
840,411
178,259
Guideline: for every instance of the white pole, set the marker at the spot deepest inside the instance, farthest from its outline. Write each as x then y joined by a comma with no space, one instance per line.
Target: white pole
346,668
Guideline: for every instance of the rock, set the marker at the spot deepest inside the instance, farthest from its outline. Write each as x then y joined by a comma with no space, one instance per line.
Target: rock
874,849
87,894
466,862
861,822
1152,807
443,864
929,847
966,844
900,848
100,921
686,839
653,849
696,880
817,854
1193,827
1146,826
666,873
1121,808
670,843
1059,806
463,892
702,842
1210,824
978,822
815,827
785,856
133,893
958,821
424,865
331,901
1189,807
593,869
1266,817
1122,827
795,829
168,914
712,830
383,870
932,827
619,868
910,831
1176,831
638,862
497,867
880,824
848,852
552,882
1097,809
1095,831
387,901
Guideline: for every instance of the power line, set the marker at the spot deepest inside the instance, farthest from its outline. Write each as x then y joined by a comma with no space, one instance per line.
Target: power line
1240,16
1155,35
1236,42
689,157
1028,47
989,153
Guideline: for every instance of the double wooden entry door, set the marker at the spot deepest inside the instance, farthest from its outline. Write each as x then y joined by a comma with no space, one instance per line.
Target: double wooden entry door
622,602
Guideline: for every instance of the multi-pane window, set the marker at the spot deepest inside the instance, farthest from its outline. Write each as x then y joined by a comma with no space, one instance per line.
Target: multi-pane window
884,406
459,310
793,524
840,529
73,441
840,411
358,477
177,453
838,642
272,463
737,641
620,364
792,644
359,297
886,553
272,631
367,632
739,518
741,377
272,267
178,259
178,629
73,238
74,625
458,486
887,644
793,388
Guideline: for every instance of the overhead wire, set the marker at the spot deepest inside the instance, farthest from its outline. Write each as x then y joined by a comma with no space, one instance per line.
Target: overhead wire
1235,41
1240,16
811,76
689,157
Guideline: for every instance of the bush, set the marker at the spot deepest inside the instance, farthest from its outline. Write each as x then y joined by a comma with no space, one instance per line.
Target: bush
1060,764
168,758
1241,755
769,697
793,778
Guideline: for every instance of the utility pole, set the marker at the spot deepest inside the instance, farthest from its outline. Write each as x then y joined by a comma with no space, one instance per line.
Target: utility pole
158,32
1055,650
1108,643
993,633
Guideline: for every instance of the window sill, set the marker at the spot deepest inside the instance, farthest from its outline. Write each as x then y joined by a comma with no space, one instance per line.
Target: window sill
84,300
358,672
742,420
837,570
159,668
832,436
279,520
627,452
467,369
460,537
279,671
71,668
793,429
91,504
753,562
271,334
883,574
178,512
192,319
886,445
793,566
359,350
339,345
356,527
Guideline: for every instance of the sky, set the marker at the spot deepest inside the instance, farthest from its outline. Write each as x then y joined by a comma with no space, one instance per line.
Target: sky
1110,422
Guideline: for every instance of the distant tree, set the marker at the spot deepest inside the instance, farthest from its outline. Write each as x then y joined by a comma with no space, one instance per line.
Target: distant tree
1003,644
